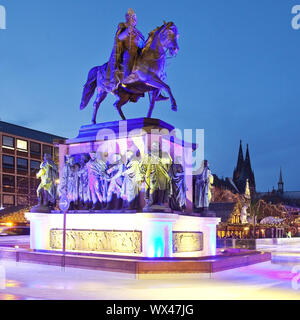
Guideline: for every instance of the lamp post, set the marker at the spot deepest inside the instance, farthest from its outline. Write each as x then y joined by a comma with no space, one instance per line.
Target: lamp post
254,225
64,205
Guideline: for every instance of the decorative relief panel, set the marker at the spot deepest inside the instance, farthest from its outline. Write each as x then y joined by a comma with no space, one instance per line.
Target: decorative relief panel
187,241
97,240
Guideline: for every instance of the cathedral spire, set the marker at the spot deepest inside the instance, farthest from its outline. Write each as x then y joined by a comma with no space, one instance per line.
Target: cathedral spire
240,161
247,159
280,182
280,176
240,164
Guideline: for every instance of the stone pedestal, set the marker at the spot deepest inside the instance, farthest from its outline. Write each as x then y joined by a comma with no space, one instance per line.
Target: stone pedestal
158,235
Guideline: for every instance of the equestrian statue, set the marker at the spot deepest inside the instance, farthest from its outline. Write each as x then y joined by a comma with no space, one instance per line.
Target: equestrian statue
135,67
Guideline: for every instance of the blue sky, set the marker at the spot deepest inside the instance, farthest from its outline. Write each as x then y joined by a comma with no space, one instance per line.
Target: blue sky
236,74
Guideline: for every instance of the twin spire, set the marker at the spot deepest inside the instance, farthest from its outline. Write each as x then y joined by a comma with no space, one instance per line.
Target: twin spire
243,171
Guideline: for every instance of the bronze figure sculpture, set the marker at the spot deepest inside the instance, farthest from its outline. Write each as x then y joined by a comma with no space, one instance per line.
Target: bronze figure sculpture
203,187
134,67
47,190
154,169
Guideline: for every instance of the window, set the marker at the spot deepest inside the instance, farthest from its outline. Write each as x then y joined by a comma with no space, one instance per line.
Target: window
22,201
22,185
22,145
8,162
8,142
47,149
8,183
34,166
22,164
35,148
56,154
8,200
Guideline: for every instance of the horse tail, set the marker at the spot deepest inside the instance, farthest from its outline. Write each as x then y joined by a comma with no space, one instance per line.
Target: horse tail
89,87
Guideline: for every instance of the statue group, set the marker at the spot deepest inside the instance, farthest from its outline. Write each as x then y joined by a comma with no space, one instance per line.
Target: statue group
90,182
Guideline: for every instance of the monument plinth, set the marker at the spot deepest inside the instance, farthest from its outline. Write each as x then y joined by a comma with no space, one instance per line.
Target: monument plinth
120,205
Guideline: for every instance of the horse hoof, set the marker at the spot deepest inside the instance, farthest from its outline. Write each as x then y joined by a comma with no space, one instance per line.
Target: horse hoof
174,108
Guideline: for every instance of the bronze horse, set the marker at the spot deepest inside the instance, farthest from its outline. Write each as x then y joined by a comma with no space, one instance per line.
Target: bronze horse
147,75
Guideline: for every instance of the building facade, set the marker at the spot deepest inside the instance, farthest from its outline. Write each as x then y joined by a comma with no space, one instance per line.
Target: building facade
21,153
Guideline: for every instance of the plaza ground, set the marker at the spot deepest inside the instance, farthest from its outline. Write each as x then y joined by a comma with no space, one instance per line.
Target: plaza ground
268,280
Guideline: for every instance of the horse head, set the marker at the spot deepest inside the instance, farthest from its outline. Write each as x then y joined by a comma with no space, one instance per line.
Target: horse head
168,36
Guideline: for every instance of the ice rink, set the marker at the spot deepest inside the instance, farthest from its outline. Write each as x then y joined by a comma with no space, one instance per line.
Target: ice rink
269,280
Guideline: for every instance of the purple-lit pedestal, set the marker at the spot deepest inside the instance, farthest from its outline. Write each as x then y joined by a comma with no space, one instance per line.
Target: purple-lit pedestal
140,235
128,234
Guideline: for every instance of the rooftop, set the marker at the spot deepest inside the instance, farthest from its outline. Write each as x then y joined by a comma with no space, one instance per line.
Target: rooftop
28,133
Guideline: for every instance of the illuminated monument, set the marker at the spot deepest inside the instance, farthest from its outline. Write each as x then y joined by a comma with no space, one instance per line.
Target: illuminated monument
129,183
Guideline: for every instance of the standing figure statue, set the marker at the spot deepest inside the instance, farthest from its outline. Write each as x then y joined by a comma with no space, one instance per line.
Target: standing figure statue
47,190
244,214
69,185
131,183
97,181
155,173
115,173
84,190
178,198
203,187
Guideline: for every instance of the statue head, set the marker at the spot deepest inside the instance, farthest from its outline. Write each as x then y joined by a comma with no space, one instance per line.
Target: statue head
129,155
155,146
131,18
71,161
178,160
67,158
116,158
93,155
83,158
47,157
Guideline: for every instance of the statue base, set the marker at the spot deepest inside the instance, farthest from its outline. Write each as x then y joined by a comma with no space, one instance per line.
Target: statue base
205,212
157,208
41,208
155,235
